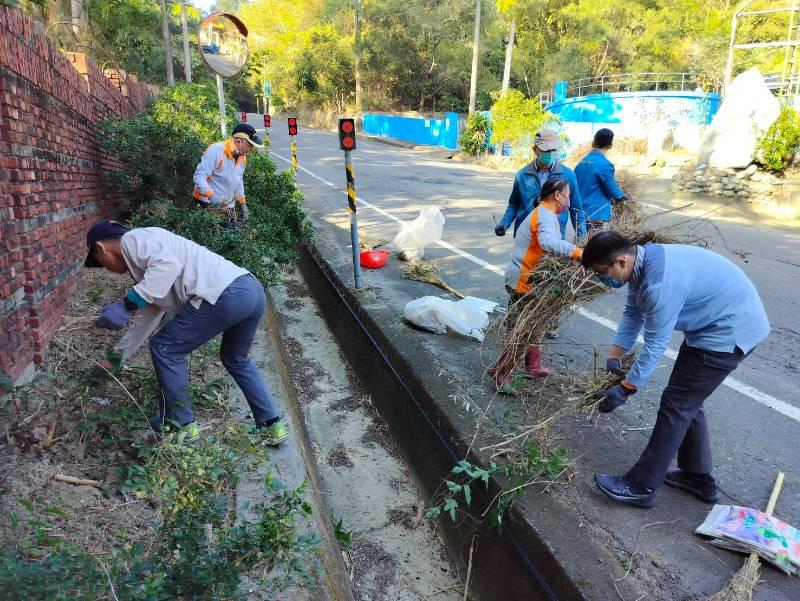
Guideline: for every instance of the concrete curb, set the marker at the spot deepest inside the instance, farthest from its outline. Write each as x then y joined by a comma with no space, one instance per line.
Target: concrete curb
542,553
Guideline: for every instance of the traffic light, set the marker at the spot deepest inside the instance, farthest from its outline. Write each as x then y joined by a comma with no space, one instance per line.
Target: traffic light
244,117
347,134
292,126
267,123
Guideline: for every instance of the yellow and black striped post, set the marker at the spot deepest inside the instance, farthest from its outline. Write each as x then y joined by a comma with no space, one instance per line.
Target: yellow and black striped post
351,206
295,167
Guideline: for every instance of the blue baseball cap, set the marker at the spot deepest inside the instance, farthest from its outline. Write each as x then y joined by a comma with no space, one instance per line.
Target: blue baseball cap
102,230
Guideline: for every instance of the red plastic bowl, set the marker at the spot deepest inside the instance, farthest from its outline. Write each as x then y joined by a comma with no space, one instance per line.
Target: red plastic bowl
373,259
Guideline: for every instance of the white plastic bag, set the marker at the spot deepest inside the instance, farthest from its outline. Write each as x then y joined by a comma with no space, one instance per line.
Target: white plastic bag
468,316
415,235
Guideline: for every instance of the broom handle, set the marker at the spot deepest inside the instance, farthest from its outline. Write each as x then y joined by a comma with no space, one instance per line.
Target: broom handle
773,500
776,490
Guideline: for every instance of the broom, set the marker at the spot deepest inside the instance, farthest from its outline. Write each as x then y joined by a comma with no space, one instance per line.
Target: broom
422,271
744,582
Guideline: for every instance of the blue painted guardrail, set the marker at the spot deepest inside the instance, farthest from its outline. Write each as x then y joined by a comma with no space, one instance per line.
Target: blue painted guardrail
633,114
417,130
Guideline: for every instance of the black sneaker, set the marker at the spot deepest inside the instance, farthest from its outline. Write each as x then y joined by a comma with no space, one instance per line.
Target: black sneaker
625,490
702,486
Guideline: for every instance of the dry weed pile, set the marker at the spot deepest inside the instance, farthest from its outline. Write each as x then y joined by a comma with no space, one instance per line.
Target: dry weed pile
423,271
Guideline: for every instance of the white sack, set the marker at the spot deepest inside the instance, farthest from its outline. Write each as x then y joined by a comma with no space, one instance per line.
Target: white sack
467,317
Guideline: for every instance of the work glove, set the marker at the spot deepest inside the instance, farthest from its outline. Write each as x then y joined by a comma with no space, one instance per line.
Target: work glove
114,316
614,397
614,366
245,211
110,365
499,230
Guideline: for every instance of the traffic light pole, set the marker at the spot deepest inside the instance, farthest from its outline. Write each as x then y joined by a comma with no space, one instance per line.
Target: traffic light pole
295,166
351,205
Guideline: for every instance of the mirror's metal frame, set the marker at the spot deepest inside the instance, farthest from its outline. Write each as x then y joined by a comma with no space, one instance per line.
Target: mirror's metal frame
242,30
220,88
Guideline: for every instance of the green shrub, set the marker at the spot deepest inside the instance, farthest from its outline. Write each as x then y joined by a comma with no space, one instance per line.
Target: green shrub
474,139
776,150
515,118
193,485
159,149
264,244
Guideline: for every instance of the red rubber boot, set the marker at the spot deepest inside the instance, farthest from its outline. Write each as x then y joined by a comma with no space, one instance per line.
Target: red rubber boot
533,363
501,372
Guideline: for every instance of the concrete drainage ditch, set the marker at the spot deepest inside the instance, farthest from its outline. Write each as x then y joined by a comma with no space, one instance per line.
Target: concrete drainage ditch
358,471
381,453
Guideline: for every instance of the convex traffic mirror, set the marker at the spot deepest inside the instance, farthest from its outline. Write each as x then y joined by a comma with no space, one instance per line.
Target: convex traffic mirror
223,44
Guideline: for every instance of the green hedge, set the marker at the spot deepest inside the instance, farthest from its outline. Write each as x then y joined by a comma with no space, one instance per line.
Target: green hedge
159,151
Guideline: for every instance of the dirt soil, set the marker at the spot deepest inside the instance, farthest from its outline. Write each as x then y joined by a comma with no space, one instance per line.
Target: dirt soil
50,428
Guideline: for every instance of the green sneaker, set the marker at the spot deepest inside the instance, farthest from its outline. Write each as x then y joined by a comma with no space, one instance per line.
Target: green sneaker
274,434
189,432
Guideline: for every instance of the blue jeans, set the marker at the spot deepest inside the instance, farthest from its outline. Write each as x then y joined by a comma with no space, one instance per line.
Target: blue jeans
236,314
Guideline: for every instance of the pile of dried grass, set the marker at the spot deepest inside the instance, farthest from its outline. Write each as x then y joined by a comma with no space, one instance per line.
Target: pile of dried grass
369,242
743,583
423,271
559,284
579,396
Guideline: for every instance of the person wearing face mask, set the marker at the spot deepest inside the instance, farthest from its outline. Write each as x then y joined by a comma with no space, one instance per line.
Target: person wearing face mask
219,177
529,181
674,287
538,234
205,295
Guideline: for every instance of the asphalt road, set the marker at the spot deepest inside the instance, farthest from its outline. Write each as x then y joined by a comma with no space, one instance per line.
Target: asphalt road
754,417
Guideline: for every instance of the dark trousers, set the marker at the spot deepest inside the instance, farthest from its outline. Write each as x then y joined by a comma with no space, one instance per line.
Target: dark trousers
236,314
681,423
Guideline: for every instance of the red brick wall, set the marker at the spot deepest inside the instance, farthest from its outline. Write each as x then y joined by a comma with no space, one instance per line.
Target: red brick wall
51,180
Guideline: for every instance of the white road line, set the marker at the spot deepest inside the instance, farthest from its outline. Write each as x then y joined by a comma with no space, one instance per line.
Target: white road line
758,396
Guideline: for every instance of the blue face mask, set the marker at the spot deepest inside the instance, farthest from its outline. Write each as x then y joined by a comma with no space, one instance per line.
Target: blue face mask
607,280
547,158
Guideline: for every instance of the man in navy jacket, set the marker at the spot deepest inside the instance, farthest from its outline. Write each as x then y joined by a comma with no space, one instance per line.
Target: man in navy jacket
595,175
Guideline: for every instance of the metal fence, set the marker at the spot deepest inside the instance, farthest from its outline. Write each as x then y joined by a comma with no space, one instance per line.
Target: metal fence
632,82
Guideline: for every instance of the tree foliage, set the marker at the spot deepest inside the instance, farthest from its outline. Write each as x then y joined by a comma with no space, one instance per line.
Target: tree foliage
416,54
781,143
515,118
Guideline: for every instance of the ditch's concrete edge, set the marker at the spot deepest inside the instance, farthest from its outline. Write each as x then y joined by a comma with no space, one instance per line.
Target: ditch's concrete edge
548,543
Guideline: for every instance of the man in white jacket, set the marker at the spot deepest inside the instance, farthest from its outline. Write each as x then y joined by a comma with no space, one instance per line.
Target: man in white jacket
219,177
205,294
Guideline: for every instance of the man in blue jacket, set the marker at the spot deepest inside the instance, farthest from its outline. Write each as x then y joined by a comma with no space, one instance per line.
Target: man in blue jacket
595,175
528,185
709,299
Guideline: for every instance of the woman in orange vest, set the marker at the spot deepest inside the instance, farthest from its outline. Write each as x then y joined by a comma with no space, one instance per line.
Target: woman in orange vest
540,233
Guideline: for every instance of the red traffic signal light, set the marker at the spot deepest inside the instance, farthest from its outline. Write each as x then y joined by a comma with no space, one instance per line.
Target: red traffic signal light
347,134
267,121
244,117
292,126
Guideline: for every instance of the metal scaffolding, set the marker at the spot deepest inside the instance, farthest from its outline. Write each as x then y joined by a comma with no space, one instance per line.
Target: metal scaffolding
789,83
